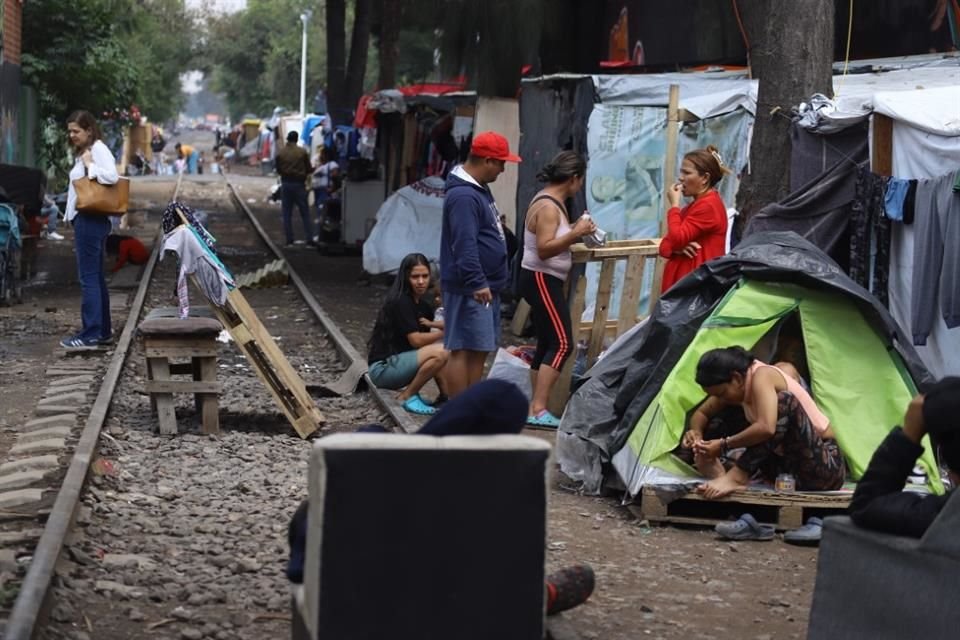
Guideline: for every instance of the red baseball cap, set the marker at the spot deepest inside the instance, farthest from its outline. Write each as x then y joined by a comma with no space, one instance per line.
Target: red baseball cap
491,144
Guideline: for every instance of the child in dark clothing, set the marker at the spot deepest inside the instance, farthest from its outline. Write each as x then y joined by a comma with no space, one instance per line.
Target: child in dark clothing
127,249
879,501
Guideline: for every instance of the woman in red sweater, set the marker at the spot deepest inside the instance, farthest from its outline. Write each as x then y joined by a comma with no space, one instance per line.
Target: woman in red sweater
698,232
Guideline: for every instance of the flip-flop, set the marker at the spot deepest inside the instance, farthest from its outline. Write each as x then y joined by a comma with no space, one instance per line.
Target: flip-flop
745,528
415,404
808,535
544,419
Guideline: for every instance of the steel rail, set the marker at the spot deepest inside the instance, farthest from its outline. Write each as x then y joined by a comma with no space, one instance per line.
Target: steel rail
36,584
348,352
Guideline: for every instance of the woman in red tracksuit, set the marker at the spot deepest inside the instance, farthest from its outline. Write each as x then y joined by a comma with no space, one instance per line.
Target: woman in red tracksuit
698,232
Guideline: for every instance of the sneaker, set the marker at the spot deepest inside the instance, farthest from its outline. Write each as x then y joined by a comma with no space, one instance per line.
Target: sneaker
415,404
105,341
569,587
299,242
53,235
79,344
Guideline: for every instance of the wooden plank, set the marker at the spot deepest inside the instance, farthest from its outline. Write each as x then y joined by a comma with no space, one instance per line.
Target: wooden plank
657,283
561,390
520,317
600,309
209,409
166,416
670,159
630,298
881,159
182,386
241,334
603,253
180,352
199,343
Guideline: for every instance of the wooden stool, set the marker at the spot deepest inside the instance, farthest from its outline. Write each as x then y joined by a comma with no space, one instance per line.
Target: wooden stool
166,338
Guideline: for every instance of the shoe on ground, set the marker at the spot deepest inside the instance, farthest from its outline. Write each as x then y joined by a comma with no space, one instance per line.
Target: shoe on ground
79,344
745,527
808,535
53,235
106,341
569,587
415,404
544,420
287,245
299,242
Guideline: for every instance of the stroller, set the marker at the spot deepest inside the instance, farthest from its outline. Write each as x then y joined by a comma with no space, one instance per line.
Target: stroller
10,245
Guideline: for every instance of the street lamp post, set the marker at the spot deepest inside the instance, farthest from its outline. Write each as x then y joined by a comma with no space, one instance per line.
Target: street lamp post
305,19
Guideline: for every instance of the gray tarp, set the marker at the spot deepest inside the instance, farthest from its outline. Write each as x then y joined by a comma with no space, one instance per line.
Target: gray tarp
603,411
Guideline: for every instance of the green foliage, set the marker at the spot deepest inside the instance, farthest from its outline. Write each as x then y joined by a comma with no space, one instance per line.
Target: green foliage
253,56
100,55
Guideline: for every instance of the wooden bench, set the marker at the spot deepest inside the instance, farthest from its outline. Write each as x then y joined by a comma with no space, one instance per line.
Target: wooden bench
193,339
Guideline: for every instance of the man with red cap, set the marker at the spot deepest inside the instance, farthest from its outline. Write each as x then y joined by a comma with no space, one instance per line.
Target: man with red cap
473,260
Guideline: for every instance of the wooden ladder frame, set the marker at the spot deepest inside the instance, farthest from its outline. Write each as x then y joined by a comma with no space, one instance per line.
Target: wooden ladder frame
268,361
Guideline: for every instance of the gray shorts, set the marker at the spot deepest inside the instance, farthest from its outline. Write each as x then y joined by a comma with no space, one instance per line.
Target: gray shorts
395,372
469,325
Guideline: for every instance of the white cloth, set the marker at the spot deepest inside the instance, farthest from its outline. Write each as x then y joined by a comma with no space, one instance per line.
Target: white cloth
195,258
409,221
321,176
103,169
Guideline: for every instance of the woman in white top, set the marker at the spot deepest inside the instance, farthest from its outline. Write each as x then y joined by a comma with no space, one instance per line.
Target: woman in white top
547,236
93,161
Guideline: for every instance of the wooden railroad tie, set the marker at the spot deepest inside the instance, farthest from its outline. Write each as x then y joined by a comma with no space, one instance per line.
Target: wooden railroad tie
782,510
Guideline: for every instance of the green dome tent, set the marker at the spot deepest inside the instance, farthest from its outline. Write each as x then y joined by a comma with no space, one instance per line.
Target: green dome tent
777,295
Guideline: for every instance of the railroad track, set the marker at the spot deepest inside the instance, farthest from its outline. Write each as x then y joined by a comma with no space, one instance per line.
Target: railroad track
185,536
81,603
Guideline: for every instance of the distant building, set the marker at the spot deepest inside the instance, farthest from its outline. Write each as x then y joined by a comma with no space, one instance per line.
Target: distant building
16,145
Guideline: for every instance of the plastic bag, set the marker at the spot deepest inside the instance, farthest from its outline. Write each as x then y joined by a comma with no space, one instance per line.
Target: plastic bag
509,367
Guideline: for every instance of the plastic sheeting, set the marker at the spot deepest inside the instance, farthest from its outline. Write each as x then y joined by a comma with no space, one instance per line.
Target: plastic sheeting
408,222
704,94
602,413
926,97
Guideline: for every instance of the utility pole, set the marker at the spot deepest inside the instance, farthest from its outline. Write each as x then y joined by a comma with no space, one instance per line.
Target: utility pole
305,19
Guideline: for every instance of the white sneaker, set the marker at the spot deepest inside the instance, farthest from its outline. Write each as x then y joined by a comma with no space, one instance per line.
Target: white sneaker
299,242
53,235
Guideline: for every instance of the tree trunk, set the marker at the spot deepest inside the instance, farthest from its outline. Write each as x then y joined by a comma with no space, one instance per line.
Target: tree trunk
791,52
391,16
359,42
336,58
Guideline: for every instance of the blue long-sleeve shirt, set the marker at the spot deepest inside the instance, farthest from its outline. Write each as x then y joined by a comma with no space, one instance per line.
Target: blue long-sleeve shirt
473,252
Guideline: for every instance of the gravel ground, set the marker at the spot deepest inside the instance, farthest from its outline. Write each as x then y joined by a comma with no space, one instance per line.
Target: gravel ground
185,536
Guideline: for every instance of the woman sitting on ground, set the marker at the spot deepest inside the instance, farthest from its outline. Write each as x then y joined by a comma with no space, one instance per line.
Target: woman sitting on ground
406,346
784,431
698,232
547,236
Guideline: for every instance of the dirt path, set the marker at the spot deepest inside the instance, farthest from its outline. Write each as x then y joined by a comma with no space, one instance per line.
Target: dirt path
659,582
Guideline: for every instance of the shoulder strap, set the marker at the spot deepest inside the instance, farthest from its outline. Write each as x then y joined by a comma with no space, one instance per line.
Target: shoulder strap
559,204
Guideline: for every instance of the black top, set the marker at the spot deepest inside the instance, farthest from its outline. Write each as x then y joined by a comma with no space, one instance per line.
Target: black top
404,317
881,503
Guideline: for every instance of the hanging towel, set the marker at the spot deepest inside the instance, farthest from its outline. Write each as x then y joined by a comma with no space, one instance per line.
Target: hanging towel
909,202
936,272
893,198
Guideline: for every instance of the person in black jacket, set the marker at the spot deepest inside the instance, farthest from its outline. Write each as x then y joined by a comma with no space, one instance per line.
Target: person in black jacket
879,501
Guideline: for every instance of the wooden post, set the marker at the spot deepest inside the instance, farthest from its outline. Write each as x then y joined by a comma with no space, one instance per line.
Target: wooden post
881,161
670,159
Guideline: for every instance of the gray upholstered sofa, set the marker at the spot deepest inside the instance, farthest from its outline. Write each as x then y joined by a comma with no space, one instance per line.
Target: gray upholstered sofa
425,537
874,586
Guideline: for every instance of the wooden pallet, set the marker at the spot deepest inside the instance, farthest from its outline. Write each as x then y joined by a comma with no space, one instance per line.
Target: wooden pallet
273,368
782,510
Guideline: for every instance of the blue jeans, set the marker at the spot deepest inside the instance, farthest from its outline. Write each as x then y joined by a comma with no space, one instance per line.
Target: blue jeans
90,234
294,192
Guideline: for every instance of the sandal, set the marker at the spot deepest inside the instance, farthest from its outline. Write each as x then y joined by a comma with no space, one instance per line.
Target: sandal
415,404
544,419
79,344
745,528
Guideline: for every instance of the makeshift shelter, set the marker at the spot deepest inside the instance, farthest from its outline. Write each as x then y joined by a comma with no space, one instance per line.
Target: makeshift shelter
408,222
776,294
620,124
898,120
